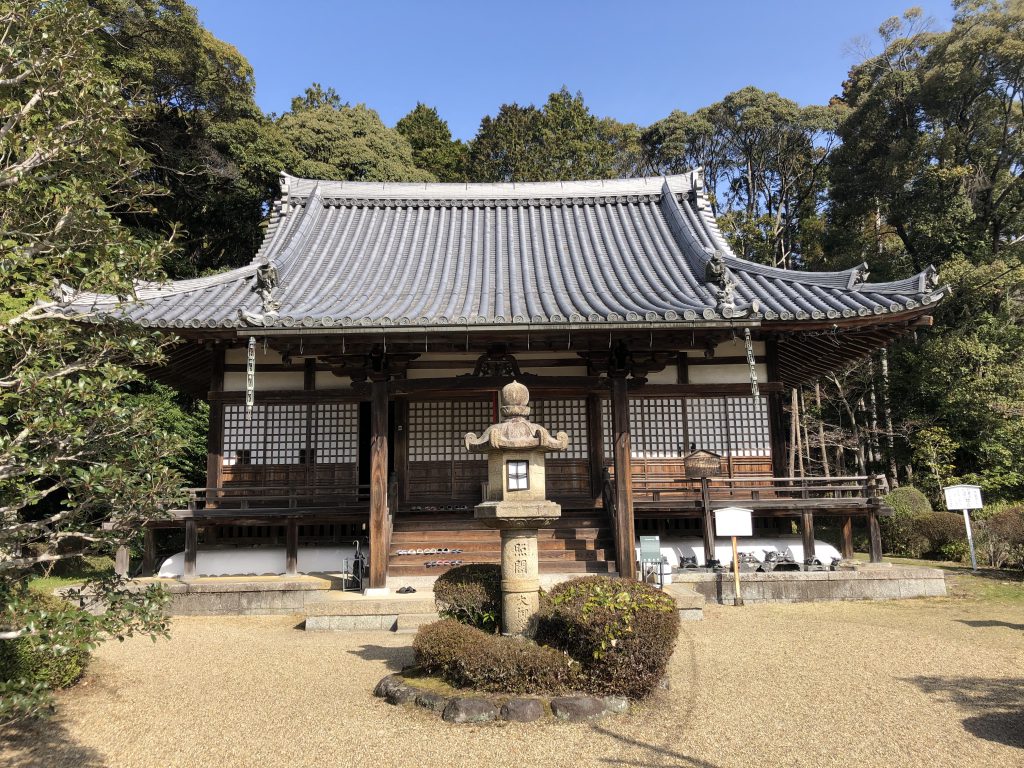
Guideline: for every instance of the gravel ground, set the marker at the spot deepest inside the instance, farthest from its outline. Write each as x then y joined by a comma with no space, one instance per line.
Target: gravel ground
919,683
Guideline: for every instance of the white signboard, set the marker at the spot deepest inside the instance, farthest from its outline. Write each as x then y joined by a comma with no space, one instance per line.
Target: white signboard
961,497
733,521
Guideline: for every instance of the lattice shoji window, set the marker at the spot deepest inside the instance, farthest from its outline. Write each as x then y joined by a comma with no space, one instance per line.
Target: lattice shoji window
336,433
568,416
708,427
286,433
748,426
436,429
657,426
606,430
244,440
469,416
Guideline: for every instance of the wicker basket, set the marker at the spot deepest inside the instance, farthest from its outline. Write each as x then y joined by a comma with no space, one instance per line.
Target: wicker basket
702,464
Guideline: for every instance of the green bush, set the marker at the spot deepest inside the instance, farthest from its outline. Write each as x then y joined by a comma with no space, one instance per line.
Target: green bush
41,660
944,534
471,594
622,632
999,534
467,657
900,535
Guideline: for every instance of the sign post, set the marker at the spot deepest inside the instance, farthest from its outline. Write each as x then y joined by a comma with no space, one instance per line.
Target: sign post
734,521
965,498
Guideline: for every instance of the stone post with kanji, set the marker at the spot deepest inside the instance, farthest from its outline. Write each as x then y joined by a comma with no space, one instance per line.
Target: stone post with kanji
516,503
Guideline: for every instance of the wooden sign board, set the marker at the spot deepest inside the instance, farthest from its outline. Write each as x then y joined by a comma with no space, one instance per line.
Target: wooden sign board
961,497
733,521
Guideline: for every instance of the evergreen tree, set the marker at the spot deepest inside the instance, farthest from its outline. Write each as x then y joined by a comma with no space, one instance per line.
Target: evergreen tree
432,147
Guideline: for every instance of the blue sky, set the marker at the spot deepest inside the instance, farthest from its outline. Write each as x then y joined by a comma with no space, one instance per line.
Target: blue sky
635,61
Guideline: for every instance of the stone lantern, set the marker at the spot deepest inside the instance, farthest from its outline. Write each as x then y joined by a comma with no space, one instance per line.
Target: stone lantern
516,503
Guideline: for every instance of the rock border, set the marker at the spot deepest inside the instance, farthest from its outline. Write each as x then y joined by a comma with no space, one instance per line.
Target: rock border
484,708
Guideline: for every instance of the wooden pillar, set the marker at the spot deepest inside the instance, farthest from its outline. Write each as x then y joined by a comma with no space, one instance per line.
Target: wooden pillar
148,552
625,535
291,547
215,434
807,532
401,462
122,561
846,544
191,546
378,566
874,537
709,523
595,444
776,420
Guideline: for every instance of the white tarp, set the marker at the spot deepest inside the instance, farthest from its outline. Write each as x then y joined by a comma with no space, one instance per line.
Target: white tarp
675,548
259,562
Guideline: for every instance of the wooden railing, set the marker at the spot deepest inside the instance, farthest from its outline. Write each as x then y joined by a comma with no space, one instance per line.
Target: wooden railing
277,498
758,492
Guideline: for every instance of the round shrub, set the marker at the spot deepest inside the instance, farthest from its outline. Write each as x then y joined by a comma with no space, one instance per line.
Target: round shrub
28,658
467,657
622,632
471,594
944,533
900,535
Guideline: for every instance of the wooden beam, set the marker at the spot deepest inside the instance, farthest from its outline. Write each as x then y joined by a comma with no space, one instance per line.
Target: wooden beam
625,535
807,533
595,444
846,542
378,484
191,547
874,538
148,552
291,547
475,384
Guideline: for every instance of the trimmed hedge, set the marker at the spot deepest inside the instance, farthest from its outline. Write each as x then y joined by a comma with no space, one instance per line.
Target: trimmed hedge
25,658
622,632
471,594
467,657
900,534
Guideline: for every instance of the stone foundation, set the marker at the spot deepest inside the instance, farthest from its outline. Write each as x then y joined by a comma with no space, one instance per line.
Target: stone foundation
243,596
868,582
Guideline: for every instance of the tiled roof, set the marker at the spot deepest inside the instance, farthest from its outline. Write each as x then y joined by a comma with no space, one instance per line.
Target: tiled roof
359,254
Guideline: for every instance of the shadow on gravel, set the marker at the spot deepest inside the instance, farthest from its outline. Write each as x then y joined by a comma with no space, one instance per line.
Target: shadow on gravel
996,707
659,755
990,623
394,658
44,744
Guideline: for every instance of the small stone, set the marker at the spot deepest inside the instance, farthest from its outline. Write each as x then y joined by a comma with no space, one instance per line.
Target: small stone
665,684
616,705
522,710
435,702
400,694
385,685
469,711
577,709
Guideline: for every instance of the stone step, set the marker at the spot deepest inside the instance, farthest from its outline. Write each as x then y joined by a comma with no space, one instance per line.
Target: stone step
410,622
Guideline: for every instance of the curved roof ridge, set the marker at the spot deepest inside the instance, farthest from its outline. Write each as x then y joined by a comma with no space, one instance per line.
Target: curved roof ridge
297,187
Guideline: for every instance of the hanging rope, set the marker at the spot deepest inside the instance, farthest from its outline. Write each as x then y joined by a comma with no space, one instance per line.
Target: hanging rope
250,378
750,361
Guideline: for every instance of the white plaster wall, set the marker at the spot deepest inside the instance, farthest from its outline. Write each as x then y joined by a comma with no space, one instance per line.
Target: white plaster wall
265,381
327,380
736,347
726,374
239,355
668,376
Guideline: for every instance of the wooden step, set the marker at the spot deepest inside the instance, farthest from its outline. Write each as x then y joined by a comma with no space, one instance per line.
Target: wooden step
562,566
495,555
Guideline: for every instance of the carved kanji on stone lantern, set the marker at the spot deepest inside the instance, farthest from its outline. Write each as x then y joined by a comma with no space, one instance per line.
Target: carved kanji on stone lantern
516,503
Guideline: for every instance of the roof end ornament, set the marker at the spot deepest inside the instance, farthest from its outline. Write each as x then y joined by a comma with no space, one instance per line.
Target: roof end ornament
930,278
858,275
717,274
266,284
